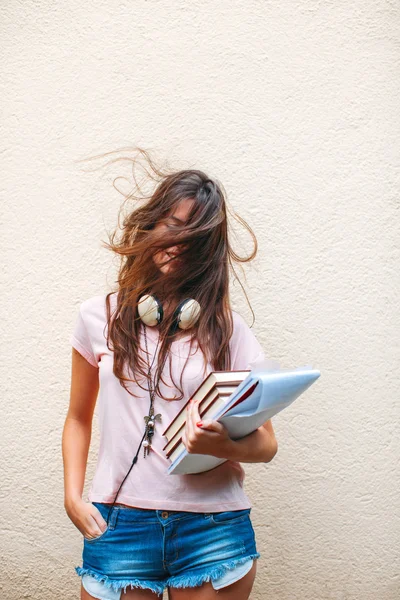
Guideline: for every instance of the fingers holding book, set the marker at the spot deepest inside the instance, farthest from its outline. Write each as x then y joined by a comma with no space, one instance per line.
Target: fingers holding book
205,437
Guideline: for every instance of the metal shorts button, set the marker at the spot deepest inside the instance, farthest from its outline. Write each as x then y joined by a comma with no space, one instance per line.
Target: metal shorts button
164,515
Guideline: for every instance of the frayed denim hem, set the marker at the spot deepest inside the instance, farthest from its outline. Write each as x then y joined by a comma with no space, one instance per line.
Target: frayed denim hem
118,584
196,579
178,581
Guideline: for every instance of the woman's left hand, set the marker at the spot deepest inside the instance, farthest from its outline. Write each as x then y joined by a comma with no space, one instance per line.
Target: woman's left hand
212,438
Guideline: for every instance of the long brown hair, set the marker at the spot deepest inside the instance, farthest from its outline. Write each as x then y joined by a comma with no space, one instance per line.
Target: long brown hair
206,256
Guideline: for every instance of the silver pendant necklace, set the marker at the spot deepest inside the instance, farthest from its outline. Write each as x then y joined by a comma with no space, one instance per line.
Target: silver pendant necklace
151,418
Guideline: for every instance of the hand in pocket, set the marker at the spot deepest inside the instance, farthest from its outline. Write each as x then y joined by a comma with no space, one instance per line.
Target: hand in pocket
87,518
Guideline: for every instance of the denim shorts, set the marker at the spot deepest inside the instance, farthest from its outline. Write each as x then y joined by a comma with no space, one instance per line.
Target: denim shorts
155,549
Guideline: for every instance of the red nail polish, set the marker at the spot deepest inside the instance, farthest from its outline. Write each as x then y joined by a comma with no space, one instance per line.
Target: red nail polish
199,424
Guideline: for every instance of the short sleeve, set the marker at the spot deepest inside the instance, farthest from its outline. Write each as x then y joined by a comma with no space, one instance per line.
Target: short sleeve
80,339
246,350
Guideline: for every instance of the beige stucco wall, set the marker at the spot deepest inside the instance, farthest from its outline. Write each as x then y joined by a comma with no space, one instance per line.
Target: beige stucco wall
294,107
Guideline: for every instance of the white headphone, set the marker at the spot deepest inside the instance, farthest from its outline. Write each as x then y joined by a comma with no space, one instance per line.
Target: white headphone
185,315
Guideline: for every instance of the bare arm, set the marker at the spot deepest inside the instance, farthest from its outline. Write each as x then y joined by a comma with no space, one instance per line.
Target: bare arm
211,437
78,427
259,446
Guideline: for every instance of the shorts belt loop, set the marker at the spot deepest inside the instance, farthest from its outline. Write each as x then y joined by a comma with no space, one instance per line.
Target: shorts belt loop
113,517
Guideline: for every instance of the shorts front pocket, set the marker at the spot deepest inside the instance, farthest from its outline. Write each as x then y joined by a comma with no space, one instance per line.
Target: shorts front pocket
104,513
98,537
229,517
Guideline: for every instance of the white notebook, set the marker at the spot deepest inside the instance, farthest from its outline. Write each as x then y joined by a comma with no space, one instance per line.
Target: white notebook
274,390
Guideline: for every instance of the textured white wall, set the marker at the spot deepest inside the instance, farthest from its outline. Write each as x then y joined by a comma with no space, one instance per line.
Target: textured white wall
294,107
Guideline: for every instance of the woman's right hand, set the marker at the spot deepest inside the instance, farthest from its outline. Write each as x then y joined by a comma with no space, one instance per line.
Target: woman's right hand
87,518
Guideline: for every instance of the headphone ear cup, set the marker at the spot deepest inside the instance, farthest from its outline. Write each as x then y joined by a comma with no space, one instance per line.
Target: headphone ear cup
150,310
186,314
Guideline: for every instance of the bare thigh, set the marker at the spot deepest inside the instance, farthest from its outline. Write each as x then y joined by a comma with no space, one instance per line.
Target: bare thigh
130,594
240,590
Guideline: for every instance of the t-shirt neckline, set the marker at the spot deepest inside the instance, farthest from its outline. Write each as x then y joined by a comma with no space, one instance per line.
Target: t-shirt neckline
153,333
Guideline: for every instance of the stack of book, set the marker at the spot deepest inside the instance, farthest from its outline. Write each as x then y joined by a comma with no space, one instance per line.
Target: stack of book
242,401
213,393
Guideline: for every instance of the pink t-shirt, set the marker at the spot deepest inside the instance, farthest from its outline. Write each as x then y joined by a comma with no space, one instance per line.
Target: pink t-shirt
121,421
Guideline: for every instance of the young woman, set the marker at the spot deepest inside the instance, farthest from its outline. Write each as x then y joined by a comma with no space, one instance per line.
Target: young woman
190,534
